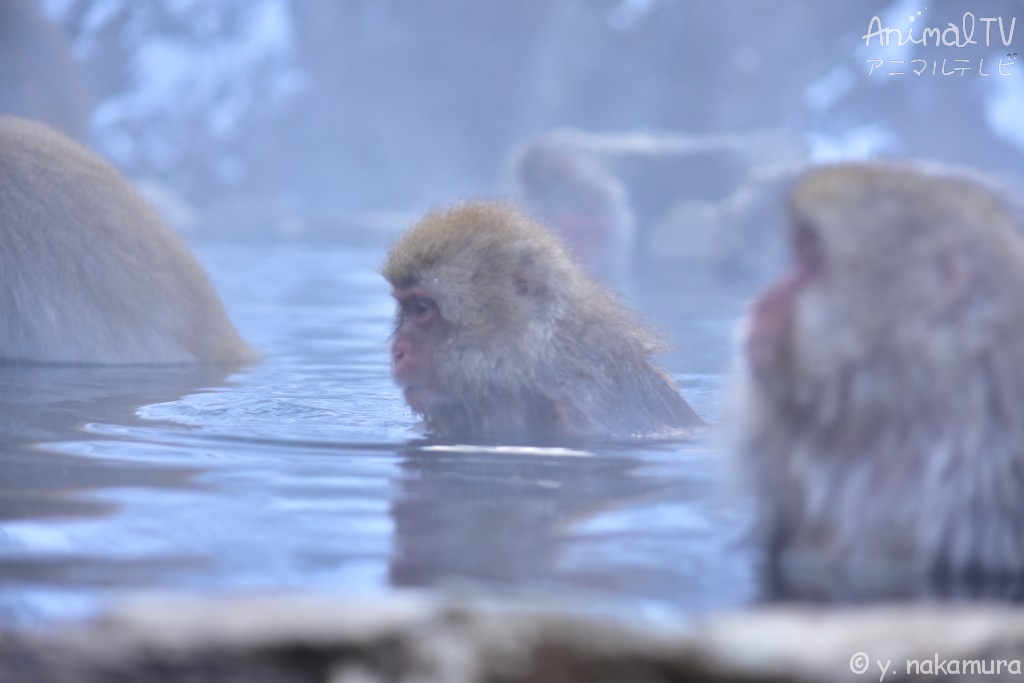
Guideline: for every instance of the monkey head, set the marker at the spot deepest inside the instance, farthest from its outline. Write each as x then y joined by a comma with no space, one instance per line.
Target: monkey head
897,276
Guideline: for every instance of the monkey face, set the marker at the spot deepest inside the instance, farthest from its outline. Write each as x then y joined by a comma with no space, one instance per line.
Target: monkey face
769,345
417,333
901,287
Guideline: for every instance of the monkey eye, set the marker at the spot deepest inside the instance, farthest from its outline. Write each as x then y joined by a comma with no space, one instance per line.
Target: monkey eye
420,309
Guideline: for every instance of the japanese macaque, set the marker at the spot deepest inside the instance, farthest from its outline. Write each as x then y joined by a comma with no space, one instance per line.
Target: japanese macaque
88,273
500,335
623,199
739,236
585,205
883,398
39,77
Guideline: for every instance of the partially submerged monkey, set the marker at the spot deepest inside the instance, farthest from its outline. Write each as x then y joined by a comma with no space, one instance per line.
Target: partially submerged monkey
501,335
883,399
88,272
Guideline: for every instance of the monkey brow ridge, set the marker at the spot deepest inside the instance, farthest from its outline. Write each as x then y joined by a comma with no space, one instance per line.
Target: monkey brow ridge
472,227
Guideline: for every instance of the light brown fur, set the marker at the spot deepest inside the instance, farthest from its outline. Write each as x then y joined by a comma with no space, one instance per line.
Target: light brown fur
531,346
88,272
885,437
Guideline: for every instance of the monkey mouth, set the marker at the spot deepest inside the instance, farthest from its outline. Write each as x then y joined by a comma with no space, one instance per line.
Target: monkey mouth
414,397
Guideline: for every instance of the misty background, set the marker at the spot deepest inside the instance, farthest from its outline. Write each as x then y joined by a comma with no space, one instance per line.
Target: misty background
301,136
278,115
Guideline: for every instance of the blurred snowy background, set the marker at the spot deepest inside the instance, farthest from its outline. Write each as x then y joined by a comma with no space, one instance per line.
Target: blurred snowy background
325,107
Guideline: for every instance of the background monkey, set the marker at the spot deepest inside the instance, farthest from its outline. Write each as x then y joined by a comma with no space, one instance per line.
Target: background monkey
88,273
883,424
499,334
582,203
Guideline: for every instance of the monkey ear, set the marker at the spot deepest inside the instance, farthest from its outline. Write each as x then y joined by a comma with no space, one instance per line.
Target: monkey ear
529,278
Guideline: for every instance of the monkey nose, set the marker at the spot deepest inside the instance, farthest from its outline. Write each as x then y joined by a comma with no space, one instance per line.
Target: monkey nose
399,354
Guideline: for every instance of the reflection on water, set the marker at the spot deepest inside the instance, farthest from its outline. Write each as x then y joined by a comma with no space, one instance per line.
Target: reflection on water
304,471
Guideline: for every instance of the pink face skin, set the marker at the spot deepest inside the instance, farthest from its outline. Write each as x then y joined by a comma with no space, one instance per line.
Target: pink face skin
772,316
586,234
417,333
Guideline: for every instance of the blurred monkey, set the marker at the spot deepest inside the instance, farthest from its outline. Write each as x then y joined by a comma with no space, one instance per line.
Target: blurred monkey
584,204
883,394
88,272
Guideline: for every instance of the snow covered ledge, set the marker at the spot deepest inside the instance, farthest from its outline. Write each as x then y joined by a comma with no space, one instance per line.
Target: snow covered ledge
307,638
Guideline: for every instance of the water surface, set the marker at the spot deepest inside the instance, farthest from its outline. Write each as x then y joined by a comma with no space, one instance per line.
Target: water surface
305,471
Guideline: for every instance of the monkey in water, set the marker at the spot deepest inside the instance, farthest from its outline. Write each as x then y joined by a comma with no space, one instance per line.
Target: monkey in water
882,402
88,272
580,201
500,335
